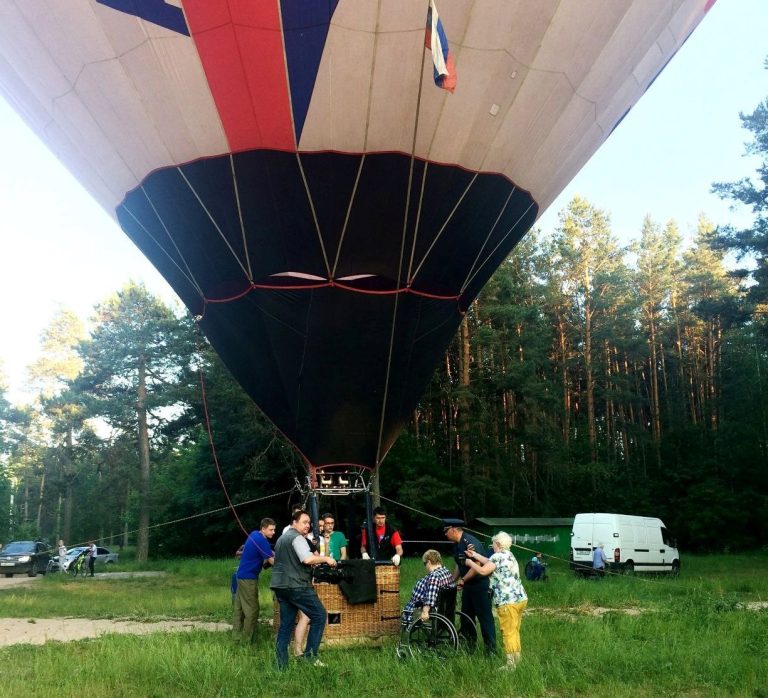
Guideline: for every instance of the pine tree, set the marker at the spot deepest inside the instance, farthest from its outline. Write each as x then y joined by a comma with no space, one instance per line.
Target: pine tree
588,258
132,365
752,242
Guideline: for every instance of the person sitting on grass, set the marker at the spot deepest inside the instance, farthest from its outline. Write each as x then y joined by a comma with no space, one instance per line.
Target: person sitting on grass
537,568
424,594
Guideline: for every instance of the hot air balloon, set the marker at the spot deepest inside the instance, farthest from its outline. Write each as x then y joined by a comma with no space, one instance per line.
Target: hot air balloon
327,184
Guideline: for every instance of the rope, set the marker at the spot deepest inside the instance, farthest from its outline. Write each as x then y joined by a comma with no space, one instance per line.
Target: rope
511,230
184,518
516,545
444,226
331,284
485,242
213,451
404,234
213,221
162,249
352,195
240,216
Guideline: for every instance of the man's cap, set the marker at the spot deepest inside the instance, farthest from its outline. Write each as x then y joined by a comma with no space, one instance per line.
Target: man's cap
453,523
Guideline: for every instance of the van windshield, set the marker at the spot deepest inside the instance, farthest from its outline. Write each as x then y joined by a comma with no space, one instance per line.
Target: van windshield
666,537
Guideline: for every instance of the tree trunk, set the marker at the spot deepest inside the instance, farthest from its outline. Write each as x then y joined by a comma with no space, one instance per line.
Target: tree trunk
563,350
712,350
66,528
125,517
654,393
591,425
41,493
464,441
59,505
654,383
142,543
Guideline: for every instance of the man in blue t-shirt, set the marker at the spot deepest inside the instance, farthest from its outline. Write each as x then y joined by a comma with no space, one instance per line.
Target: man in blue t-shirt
256,552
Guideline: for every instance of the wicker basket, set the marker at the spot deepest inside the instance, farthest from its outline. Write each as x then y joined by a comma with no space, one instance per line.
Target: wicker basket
361,621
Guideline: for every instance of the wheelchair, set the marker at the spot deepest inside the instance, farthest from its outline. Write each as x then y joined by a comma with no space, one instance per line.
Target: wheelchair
438,637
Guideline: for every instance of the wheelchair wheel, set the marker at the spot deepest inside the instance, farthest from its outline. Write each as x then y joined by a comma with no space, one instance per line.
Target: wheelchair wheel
533,572
467,633
434,638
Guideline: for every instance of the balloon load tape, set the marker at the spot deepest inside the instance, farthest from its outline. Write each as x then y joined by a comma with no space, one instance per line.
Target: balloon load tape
339,480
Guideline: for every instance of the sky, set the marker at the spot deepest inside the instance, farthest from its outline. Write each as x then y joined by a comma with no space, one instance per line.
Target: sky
60,249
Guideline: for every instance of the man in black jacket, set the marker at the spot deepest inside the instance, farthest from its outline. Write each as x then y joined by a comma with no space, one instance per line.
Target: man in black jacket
389,543
475,598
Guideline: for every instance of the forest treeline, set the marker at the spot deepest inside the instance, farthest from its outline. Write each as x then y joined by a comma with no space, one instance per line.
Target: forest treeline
587,376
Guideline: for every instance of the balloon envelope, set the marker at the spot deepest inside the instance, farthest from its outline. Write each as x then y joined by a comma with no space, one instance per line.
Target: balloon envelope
298,176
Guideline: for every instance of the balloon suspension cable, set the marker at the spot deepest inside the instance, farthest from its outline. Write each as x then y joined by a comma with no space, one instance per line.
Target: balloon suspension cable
230,505
181,519
404,235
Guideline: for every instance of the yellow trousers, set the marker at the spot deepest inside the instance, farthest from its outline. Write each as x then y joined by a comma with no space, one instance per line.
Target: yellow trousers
510,617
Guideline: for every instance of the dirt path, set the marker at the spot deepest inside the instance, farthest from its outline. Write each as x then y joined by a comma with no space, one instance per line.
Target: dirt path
23,580
36,631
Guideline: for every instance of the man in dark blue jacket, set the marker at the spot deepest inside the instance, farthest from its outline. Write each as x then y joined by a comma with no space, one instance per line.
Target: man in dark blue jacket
475,597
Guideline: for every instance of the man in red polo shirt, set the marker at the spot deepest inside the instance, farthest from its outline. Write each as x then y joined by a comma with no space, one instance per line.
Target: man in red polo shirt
390,544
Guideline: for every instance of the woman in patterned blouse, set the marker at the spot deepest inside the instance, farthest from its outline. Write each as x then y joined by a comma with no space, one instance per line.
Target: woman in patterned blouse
509,597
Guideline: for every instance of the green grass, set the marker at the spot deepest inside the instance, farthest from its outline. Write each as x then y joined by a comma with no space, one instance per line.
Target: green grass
693,637
190,589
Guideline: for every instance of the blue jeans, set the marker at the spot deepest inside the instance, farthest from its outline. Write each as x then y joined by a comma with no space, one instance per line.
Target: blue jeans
291,602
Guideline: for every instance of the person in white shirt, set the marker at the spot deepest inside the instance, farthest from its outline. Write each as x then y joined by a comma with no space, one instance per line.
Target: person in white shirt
62,555
91,553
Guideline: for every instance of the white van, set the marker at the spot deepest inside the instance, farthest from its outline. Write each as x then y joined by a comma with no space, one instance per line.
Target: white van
632,543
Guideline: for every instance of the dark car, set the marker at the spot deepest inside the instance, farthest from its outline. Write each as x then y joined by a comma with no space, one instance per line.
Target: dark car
24,556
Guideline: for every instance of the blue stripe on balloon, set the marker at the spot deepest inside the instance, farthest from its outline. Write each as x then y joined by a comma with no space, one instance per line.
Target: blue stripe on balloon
156,11
305,29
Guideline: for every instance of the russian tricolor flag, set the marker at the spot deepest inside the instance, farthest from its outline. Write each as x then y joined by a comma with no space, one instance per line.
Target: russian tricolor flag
437,42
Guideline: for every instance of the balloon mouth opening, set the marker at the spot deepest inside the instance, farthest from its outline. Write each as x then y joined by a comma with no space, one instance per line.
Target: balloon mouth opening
360,283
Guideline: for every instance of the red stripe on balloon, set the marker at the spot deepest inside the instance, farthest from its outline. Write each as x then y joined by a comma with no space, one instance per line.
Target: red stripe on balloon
240,44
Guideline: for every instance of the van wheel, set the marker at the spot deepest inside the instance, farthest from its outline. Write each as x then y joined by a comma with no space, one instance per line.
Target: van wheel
675,568
8,576
629,568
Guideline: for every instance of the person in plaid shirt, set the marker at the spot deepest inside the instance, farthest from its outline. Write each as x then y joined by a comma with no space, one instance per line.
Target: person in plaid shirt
424,594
